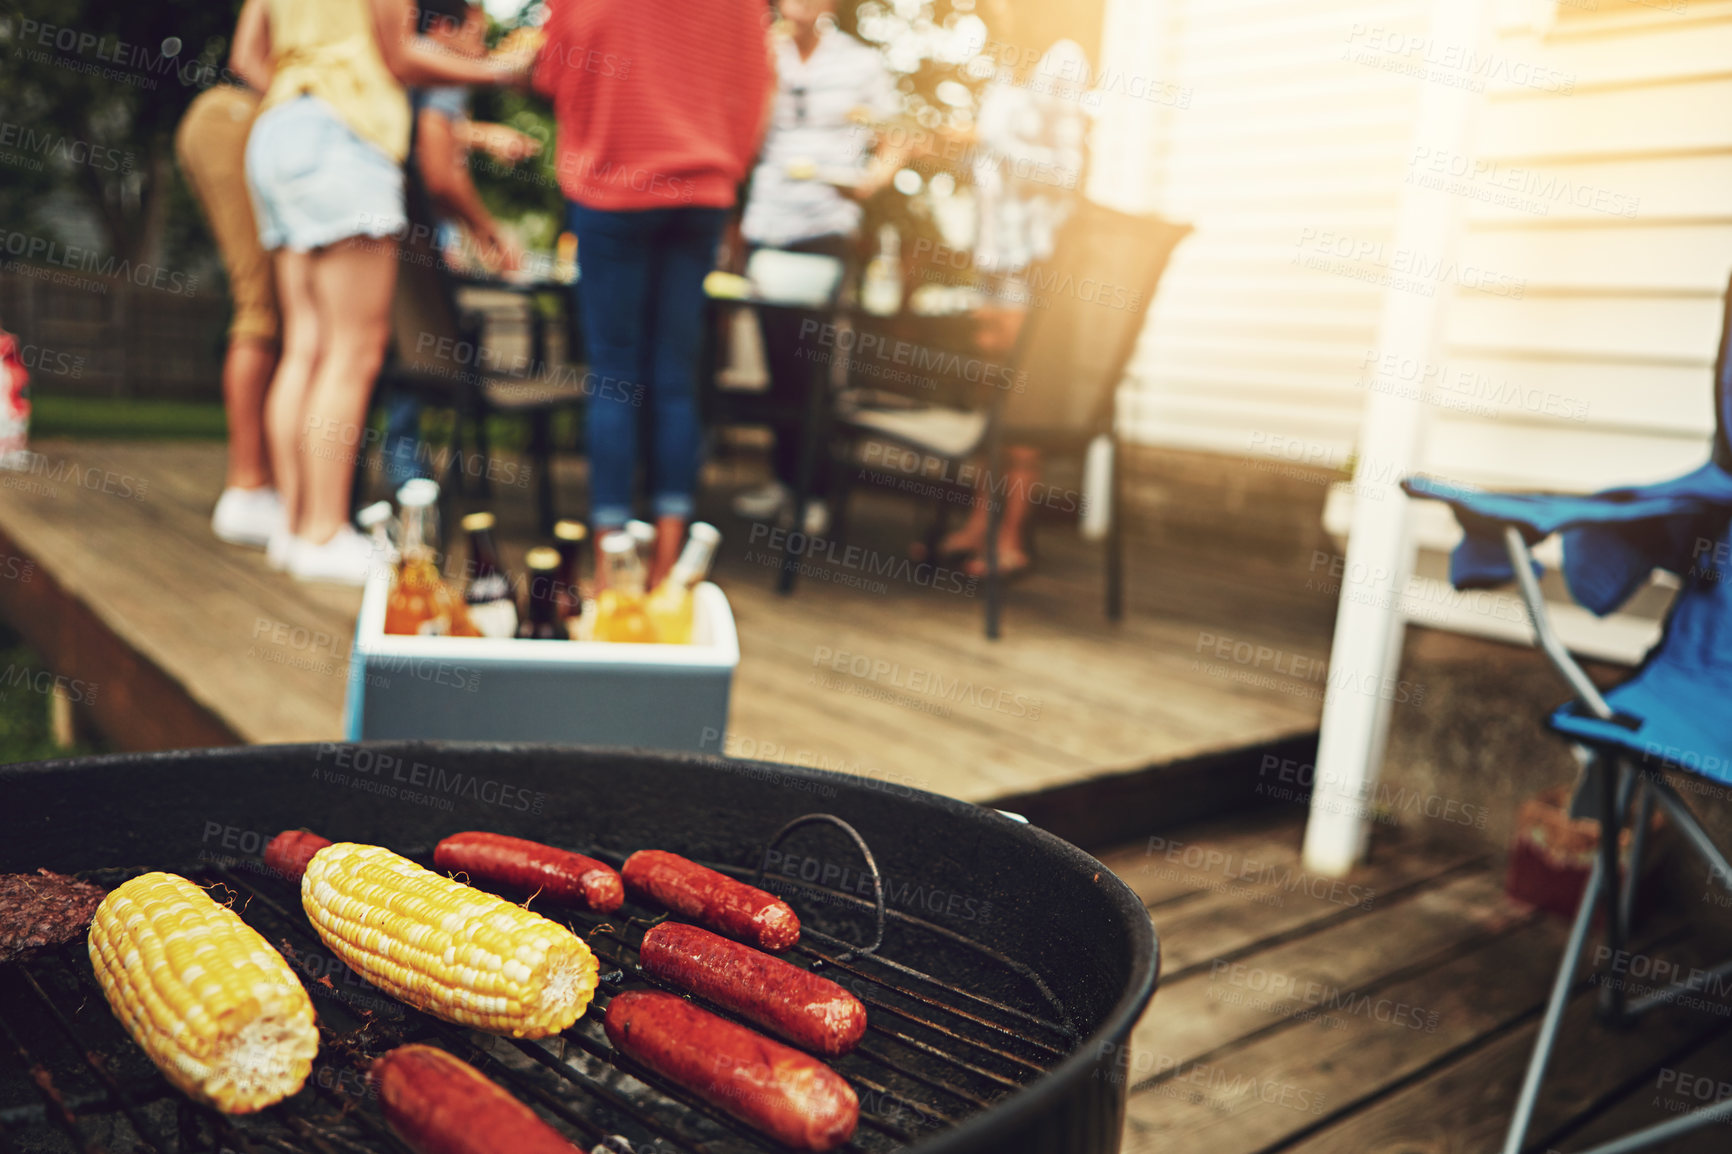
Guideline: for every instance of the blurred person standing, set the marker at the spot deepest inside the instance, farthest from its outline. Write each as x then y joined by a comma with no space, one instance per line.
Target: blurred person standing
818,166
211,145
1029,148
1030,140
324,167
440,152
660,106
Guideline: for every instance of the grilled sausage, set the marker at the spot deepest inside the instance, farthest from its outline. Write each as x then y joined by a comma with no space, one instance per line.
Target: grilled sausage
439,1104
560,874
792,1097
713,899
289,852
794,1004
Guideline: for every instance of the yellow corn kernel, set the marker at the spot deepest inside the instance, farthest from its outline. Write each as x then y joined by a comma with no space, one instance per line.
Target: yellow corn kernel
203,994
444,947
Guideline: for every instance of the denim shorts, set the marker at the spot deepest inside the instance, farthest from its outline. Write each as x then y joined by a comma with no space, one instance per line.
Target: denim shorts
314,182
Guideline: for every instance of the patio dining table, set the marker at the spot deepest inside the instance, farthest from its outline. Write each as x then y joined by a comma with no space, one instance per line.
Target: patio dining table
871,349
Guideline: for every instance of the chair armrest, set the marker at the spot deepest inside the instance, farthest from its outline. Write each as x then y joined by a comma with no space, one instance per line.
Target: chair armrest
1522,561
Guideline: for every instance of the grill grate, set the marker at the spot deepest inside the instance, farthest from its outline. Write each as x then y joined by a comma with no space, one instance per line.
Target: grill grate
933,1055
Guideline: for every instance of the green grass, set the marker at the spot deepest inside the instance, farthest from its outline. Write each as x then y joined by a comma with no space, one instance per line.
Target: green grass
90,417
24,733
130,419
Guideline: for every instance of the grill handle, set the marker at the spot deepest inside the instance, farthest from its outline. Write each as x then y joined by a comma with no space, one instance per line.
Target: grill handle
865,852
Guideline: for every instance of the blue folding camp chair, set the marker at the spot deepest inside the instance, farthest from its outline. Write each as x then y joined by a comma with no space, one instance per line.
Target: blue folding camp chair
1674,714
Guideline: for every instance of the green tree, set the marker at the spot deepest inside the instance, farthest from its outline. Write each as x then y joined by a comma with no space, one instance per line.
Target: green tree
90,94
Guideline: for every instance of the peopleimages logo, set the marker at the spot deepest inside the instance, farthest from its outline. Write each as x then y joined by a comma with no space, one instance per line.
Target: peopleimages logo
47,683
957,690
71,256
376,768
863,348
56,146
791,544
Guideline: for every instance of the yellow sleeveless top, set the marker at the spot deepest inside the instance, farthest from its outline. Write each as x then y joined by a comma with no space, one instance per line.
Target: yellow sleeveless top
327,48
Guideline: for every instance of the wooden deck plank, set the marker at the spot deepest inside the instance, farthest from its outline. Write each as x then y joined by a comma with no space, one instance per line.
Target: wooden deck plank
1052,668
1307,1063
1238,850
1463,1107
1157,869
267,656
1283,1084
1687,1081
893,735
1237,915
151,571
1216,1006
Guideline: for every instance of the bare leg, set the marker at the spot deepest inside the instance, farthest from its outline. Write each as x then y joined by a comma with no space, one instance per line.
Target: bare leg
971,538
353,281
287,399
996,329
247,371
1023,475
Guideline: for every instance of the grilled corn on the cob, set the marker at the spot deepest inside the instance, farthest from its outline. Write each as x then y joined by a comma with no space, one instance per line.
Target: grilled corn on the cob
203,993
444,947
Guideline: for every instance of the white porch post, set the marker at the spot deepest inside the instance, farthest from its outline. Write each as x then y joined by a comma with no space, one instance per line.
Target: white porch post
1369,624
1125,157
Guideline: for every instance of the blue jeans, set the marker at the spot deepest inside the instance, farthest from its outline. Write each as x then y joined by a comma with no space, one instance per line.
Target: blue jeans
641,296
401,451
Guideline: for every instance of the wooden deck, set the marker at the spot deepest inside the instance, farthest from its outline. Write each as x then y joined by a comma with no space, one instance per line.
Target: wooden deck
895,681
1390,1014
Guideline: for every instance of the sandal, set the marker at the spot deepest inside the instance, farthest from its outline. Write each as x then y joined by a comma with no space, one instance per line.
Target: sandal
1008,570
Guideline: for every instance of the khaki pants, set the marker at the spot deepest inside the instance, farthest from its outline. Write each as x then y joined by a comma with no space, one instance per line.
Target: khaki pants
211,145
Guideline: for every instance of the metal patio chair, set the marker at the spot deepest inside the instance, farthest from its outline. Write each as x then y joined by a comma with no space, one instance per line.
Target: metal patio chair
1090,301
1670,716
428,321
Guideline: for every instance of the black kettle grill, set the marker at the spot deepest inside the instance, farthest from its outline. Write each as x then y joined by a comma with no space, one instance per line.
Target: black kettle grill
1002,968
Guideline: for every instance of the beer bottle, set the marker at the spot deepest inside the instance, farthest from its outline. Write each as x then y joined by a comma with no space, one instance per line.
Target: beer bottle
376,519
569,537
620,614
643,535
492,604
420,602
670,606
542,621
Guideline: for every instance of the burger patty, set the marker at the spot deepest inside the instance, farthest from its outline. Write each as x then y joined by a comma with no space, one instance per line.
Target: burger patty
41,910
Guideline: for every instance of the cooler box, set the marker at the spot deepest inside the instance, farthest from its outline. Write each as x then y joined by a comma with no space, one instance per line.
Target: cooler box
483,689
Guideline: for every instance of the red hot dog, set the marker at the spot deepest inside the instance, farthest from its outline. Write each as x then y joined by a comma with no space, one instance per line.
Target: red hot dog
716,900
439,1104
792,1097
560,874
797,1005
289,852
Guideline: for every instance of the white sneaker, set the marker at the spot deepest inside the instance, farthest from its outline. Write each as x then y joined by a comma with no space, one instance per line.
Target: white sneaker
247,516
346,559
280,549
763,503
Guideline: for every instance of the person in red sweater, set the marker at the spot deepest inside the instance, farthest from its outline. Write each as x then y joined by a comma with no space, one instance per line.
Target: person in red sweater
661,105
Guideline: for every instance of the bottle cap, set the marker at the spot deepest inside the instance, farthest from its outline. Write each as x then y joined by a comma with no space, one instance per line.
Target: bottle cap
475,522
418,491
541,558
640,531
378,513
570,531
617,543
704,532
